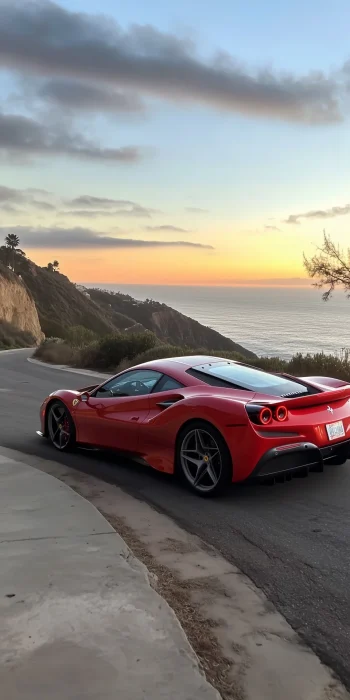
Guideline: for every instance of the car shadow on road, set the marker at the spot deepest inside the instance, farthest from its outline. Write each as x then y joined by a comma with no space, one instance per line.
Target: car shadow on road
142,480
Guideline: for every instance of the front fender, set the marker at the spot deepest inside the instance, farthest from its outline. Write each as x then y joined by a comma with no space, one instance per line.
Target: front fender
68,397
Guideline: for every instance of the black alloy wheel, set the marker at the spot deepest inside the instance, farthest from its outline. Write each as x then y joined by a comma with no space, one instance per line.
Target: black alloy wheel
60,426
203,459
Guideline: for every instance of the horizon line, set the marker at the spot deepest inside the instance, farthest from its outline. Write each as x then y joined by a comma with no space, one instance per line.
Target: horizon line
268,284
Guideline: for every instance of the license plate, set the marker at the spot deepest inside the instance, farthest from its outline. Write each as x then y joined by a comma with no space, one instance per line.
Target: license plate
335,430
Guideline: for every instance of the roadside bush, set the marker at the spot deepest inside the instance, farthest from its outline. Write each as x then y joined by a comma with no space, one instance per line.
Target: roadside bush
87,357
52,340
269,364
79,336
158,352
117,352
51,328
161,351
57,353
108,352
337,366
12,337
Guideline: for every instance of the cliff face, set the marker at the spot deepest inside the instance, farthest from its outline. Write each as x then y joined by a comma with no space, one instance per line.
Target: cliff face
17,306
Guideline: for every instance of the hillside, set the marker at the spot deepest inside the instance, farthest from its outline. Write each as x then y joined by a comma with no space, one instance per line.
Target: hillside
168,325
61,305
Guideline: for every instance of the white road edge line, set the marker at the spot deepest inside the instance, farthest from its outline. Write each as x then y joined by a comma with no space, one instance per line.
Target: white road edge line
65,368
6,352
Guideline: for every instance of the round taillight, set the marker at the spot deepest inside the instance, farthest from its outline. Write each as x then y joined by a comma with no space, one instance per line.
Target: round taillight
265,416
281,414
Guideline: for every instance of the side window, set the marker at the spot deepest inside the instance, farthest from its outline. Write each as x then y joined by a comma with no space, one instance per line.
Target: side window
134,383
167,384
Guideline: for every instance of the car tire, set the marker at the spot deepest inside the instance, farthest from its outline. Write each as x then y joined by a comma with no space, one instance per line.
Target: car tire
203,460
337,461
60,426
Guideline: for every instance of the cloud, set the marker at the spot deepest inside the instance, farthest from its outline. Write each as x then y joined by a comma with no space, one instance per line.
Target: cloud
25,137
136,211
92,207
166,228
44,206
87,200
10,209
272,228
196,210
77,95
319,214
76,238
9,194
48,40
37,191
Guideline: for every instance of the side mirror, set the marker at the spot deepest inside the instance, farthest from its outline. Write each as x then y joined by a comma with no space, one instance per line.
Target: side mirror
84,396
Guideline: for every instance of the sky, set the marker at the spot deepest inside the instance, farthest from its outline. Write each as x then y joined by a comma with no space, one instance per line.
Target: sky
174,143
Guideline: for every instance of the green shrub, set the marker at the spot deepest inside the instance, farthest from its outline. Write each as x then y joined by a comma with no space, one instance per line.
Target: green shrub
88,356
12,337
337,366
269,364
117,352
108,352
79,336
52,339
52,329
158,352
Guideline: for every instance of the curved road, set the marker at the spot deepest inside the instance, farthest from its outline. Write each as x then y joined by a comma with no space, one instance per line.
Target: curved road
291,539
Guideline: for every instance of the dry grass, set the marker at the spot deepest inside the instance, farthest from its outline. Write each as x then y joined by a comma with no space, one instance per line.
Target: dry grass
12,337
56,353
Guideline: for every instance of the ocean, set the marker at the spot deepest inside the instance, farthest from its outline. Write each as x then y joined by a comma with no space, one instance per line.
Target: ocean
267,320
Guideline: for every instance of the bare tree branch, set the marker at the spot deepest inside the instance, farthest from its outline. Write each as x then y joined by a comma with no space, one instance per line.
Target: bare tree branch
330,267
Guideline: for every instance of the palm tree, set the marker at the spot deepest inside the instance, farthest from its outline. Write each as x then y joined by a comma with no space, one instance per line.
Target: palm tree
12,242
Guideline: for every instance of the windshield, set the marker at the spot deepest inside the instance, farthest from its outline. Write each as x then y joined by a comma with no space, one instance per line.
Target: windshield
248,378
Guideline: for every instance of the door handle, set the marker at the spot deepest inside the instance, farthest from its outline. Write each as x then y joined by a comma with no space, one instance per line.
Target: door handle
135,418
169,402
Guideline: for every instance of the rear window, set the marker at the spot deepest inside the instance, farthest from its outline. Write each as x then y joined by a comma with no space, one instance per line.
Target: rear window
247,378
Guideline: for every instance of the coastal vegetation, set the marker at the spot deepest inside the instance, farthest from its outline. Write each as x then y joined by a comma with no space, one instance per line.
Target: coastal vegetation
114,353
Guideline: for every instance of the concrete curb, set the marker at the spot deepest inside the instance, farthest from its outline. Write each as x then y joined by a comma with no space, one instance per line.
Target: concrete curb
66,368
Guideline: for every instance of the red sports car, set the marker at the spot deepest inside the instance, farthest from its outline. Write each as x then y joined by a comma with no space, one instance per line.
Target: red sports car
211,420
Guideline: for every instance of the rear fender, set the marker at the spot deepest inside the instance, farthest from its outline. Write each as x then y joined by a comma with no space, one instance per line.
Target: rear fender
218,411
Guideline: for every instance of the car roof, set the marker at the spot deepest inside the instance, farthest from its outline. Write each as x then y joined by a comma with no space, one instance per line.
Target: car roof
185,362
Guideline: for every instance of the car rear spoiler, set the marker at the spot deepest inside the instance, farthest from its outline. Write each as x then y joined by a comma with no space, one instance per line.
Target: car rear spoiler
324,397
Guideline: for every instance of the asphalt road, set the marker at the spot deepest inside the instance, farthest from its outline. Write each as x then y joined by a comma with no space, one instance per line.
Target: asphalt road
291,539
